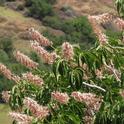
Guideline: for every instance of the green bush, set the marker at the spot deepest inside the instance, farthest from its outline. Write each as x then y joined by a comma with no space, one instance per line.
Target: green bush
20,7
6,45
77,30
57,40
2,2
53,21
5,84
10,0
3,56
39,9
50,1
30,2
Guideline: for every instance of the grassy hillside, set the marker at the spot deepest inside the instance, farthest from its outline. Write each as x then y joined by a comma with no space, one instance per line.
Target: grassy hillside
4,118
13,24
84,7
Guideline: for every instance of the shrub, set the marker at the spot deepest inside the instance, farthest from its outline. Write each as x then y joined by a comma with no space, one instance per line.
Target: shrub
77,30
53,21
3,56
5,84
39,9
6,45
20,7
50,1
28,3
2,2
57,40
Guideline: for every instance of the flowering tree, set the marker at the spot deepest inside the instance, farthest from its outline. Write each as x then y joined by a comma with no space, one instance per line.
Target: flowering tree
78,87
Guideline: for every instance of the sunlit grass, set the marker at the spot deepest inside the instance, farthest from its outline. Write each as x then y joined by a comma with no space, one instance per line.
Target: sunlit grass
4,118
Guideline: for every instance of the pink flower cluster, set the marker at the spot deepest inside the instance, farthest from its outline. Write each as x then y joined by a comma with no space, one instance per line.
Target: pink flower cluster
91,100
37,110
63,98
114,71
99,73
47,57
88,119
67,51
121,93
21,118
25,60
6,96
120,23
98,31
103,18
35,79
8,74
35,35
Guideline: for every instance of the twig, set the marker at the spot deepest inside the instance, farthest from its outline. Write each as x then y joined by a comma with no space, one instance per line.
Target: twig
94,86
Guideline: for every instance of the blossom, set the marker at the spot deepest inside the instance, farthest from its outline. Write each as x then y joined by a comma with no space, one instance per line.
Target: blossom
67,51
63,98
25,60
120,23
35,35
15,78
103,39
114,71
21,118
37,110
103,18
33,78
6,96
91,100
121,93
99,73
47,57
8,74
88,119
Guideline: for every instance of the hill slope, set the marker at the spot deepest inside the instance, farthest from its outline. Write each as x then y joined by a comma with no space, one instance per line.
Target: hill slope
13,24
84,7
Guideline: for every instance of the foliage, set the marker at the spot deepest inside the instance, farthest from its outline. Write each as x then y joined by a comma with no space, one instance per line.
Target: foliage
98,70
6,57
6,45
120,7
77,30
39,8
68,76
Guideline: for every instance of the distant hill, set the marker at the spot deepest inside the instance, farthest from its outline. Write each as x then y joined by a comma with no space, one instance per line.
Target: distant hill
84,7
13,23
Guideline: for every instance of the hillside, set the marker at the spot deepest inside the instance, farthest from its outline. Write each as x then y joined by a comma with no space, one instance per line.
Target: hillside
86,7
13,23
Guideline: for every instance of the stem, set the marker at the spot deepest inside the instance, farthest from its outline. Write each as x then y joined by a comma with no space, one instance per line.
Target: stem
94,86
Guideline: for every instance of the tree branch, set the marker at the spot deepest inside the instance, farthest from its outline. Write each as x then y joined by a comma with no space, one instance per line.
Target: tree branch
94,86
